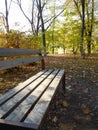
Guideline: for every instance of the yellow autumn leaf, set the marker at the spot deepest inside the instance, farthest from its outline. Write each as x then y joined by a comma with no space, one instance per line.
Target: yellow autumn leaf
65,104
86,110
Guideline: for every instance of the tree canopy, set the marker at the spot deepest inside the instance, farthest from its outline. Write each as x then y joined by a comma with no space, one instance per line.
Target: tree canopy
67,24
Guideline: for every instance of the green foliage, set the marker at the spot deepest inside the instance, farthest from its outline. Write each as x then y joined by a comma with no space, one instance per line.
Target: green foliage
66,36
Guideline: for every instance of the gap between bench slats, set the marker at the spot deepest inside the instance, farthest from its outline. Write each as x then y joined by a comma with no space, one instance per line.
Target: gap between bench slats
13,102
27,105
37,114
18,88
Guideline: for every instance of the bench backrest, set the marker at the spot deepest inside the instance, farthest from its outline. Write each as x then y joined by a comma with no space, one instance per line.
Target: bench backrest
21,57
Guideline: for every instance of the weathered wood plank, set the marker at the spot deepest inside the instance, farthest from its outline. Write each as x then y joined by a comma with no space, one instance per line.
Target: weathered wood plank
19,113
10,104
18,88
16,51
37,114
6,64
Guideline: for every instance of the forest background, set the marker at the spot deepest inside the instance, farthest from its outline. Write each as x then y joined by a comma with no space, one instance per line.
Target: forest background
52,26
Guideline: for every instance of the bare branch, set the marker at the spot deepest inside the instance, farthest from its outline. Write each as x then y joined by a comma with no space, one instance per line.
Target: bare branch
76,4
19,3
53,18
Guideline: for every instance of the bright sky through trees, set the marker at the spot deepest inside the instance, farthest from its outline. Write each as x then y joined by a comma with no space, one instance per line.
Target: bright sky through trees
15,16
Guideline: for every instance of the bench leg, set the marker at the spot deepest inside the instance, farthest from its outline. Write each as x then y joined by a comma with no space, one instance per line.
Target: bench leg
42,64
63,82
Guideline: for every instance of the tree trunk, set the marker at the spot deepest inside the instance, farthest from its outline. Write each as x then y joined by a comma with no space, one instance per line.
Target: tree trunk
89,47
82,28
90,28
6,17
43,28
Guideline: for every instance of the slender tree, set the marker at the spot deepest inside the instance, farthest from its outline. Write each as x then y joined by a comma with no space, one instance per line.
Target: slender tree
40,10
37,16
82,28
81,13
7,9
6,16
53,28
87,9
90,24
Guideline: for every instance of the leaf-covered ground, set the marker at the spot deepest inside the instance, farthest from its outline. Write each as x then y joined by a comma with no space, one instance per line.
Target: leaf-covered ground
75,109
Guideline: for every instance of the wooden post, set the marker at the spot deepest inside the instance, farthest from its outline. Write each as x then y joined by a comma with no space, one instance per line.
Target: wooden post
42,61
42,64
63,82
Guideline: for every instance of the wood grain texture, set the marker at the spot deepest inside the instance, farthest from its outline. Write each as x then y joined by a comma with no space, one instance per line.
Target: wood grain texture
6,64
25,106
19,97
19,87
37,114
31,100
5,52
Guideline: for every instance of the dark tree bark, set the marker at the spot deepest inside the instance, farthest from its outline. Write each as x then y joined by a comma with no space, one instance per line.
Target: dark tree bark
42,26
82,28
6,16
90,20
87,25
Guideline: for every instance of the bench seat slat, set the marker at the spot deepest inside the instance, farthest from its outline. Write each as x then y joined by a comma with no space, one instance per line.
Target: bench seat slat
6,64
40,109
15,90
24,107
21,95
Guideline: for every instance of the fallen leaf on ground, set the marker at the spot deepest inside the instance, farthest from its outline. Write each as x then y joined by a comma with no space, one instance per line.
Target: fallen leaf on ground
86,90
55,119
65,104
67,126
85,110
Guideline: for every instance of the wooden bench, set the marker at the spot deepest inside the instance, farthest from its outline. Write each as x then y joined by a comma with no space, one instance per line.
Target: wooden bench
25,106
